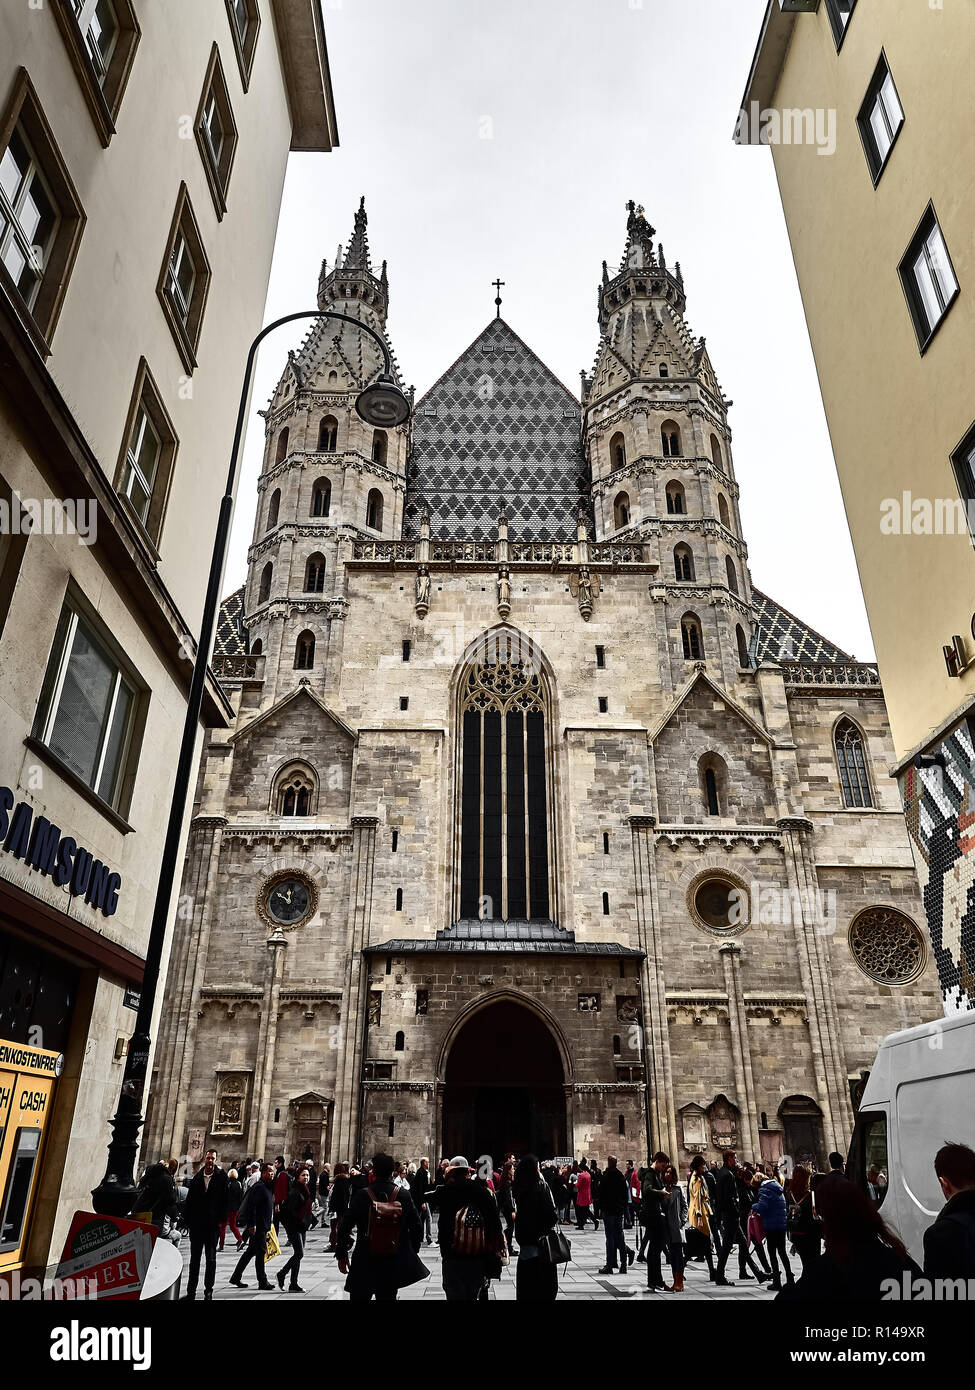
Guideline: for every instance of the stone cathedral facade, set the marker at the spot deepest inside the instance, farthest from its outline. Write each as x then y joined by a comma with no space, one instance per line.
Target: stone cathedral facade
538,826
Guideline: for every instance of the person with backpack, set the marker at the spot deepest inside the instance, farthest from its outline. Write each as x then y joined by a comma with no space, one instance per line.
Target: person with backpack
296,1217
469,1234
387,1231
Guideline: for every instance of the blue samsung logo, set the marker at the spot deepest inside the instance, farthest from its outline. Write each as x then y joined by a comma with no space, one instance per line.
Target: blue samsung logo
59,857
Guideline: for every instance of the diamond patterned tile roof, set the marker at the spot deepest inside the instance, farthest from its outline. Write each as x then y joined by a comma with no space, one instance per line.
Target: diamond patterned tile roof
784,637
498,427
231,639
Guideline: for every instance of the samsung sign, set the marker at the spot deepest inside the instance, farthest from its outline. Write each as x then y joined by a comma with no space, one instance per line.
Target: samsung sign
68,865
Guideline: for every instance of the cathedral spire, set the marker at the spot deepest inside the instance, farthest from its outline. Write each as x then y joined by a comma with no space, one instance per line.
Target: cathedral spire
352,282
357,256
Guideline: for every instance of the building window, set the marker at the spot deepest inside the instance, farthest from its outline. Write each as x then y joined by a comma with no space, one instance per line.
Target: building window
928,278
852,764
294,796
379,446
603,704
621,1124
404,702
621,510
605,904
87,711
600,657
723,513
887,946
399,900
743,660
395,841
605,842
683,562
14,530
670,439
963,462
184,281
664,369
400,1044
839,12
315,574
716,458
273,507
732,574
216,132
675,499
692,638
264,587
281,452
321,497
422,1002
245,21
880,119
328,433
145,466
617,451
101,37
305,651
617,1045
504,799
41,219
374,510
407,648
713,780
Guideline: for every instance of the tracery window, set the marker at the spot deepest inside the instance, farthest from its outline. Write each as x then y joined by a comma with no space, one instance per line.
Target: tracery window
504,842
328,432
851,761
887,946
295,794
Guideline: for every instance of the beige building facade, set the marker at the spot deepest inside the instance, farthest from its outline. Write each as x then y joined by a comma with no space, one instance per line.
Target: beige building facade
880,222
536,825
142,157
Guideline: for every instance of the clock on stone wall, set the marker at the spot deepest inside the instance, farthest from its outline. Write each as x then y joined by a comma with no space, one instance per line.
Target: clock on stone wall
287,899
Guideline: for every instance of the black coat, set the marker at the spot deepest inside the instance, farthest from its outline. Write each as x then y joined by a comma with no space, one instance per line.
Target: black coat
235,1192
157,1193
420,1185
535,1213
370,1274
257,1208
949,1245
727,1205
465,1192
653,1208
858,1279
339,1195
206,1207
613,1192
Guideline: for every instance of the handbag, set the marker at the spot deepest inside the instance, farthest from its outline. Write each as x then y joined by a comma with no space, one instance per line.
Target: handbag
696,1243
554,1249
272,1248
756,1231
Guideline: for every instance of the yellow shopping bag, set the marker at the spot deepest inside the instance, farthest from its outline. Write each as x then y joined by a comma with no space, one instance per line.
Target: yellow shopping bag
273,1246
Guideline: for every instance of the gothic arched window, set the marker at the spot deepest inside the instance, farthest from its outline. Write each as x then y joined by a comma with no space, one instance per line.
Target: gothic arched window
852,763
379,446
305,651
374,510
732,574
675,499
742,646
621,510
504,801
282,446
321,497
315,574
257,648
716,451
264,588
617,451
333,378
712,774
692,638
294,791
723,513
683,562
328,433
670,439
272,509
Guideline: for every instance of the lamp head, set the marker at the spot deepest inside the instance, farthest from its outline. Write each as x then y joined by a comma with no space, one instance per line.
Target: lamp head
383,404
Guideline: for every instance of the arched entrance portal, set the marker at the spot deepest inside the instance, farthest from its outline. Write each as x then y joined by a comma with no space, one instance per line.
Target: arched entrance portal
504,1086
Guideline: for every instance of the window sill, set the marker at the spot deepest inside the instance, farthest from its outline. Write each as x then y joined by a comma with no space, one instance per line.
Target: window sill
101,113
18,307
217,191
924,344
80,786
184,344
140,526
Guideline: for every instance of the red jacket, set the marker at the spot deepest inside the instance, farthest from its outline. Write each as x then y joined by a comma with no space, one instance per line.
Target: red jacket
583,1188
282,1186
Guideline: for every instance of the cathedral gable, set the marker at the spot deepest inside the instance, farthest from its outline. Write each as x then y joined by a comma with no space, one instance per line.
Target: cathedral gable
298,730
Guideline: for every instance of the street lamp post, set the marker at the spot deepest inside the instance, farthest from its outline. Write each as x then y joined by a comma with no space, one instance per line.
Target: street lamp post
383,405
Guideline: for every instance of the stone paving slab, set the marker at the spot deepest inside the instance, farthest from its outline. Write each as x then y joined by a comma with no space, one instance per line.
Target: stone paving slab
321,1279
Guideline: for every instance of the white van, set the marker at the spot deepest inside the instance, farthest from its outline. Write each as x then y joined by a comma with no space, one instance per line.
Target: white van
920,1095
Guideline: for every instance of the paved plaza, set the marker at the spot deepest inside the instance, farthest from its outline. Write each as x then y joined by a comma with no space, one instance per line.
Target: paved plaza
320,1277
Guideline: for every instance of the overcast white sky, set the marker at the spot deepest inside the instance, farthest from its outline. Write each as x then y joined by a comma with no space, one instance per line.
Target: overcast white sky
504,137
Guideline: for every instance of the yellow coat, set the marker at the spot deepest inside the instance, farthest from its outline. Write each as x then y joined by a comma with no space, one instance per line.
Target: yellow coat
699,1204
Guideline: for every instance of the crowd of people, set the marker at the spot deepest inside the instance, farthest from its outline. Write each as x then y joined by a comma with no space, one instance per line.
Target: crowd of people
377,1217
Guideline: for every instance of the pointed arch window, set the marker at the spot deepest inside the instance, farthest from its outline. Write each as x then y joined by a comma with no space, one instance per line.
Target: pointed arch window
732,574
621,510
716,456
305,651
328,433
664,369
692,639
273,507
333,378
374,510
743,660
670,439
264,588
504,801
257,648
380,445
321,497
723,512
852,763
683,562
315,574
676,502
712,772
617,451
282,450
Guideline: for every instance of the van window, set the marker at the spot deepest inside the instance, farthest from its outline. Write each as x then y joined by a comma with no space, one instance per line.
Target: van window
868,1165
930,1112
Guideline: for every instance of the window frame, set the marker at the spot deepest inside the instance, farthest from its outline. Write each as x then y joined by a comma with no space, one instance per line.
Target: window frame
145,394
103,96
839,29
76,612
863,778
875,163
24,111
186,334
928,223
12,547
245,45
217,168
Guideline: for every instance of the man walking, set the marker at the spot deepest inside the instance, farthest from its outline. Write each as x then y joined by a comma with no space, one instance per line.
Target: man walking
584,1211
282,1186
653,1218
613,1193
384,1259
469,1234
729,1216
420,1184
256,1213
204,1212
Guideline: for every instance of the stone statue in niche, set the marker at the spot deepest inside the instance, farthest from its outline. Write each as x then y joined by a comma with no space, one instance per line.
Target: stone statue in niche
422,591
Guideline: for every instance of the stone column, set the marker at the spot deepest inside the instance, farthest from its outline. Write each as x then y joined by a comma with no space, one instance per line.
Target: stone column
267,1043
659,1079
356,1001
730,953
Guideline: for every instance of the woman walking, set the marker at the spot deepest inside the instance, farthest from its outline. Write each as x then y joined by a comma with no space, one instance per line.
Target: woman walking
770,1209
536,1279
700,1212
338,1199
506,1204
807,1229
296,1217
235,1195
675,1218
